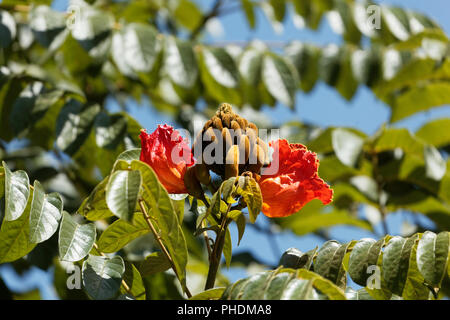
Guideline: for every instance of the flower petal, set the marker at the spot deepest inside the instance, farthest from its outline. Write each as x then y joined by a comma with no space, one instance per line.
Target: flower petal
168,154
294,183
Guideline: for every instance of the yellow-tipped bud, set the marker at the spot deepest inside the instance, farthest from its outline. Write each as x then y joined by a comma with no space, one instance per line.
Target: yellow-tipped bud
232,162
257,156
244,147
227,140
265,149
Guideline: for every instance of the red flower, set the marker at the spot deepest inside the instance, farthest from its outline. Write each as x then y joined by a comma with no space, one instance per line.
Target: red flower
169,155
295,183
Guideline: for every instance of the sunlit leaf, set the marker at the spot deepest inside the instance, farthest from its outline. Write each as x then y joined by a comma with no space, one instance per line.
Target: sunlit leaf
75,240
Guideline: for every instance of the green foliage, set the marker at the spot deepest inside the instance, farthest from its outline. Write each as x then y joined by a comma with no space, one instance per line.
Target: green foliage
401,261
77,165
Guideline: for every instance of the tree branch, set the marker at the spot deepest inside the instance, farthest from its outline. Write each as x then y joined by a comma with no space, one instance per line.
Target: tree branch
214,12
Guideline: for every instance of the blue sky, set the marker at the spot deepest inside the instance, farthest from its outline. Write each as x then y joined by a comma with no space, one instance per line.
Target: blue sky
323,106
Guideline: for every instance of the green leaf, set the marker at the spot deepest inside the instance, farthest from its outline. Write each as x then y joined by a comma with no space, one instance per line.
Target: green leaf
7,29
45,214
420,98
17,192
435,132
102,276
91,29
347,146
75,240
135,49
393,138
328,262
210,294
248,9
433,256
134,281
219,74
293,258
109,130
14,237
94,207
227,248
251,193
46,24
122,193
343,12
74,125
395,263
329,66
364,254
415,288
279,9
435,165
154,263
305,58
163,212
396,22
282,284
130,155
250,64
367,186
346,84
360,294
122,232
280,79
325,286
240,222
180,62
187,14
366,66
31,106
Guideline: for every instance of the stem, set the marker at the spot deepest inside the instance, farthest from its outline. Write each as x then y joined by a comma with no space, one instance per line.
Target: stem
216,253
162,246
208,246
124,284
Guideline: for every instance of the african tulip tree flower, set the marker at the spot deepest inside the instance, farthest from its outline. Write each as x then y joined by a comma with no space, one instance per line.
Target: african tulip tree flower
169,155
295,183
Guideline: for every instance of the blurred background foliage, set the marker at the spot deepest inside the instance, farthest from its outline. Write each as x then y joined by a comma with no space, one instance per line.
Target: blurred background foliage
68,78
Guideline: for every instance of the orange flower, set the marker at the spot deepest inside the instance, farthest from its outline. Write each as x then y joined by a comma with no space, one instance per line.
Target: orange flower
169,155
295,183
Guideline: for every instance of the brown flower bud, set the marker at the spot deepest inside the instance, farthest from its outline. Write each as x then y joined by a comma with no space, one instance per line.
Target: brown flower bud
227,139
242,122
253,126
217,123
193,184
257,155
238,137
232,162
265,149
226,119
244,147
234,125
209,135
202,173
